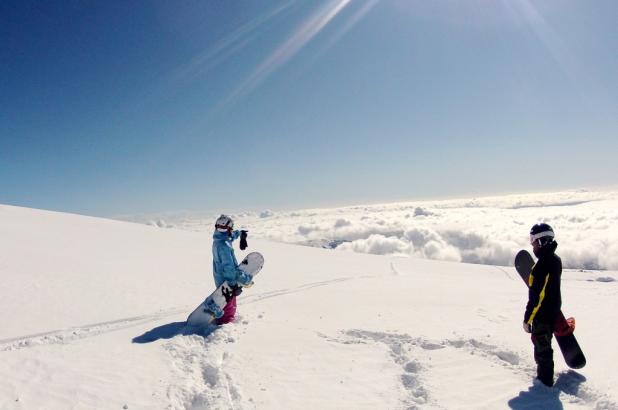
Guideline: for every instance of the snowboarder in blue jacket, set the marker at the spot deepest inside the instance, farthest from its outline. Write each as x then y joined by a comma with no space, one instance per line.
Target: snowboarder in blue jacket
225,265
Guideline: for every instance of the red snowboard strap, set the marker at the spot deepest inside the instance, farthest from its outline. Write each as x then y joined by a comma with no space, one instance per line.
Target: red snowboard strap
564,327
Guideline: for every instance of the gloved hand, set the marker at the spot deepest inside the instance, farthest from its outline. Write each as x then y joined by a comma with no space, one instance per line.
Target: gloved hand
243,240
228,293
527,328
244,279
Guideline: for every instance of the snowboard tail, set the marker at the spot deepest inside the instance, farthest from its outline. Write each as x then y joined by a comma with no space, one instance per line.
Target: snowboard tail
563,328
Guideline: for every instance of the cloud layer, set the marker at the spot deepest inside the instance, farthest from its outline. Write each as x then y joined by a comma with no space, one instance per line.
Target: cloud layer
477,230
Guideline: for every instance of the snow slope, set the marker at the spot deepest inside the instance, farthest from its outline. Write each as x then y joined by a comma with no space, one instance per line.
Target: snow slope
93,311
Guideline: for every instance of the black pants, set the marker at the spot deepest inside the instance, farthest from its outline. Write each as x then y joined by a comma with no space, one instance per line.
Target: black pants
543,354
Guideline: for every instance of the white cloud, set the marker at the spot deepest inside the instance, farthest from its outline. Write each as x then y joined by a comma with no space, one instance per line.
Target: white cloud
377,244
435,249
160,223
266,213
307,229
339,223
479,230
418,211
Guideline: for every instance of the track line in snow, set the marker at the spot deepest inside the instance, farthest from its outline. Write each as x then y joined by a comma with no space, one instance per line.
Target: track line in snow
281,292
394,270
506,273
68,335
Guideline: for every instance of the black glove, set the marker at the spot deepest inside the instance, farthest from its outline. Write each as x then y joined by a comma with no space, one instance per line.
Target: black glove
243,240
229,293
527,328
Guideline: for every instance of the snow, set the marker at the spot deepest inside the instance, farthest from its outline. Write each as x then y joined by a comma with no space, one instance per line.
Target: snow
93,313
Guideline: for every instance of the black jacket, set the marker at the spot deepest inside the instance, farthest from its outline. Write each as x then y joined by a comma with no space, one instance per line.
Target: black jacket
544,299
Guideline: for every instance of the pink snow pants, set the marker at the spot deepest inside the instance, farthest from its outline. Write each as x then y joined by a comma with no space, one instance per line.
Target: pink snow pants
229,311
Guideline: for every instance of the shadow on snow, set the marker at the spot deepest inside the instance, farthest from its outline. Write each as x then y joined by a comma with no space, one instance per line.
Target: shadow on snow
170,330
547,398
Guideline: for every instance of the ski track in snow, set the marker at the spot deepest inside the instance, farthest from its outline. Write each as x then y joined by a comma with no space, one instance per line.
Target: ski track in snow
506,273
68,335
421,358
394,270
246,300
64,336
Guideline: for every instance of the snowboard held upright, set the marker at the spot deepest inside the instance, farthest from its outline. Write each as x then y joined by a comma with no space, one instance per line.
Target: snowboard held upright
563,328
208,311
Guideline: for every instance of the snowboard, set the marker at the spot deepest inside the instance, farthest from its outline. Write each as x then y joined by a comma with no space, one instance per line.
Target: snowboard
563,328
203,315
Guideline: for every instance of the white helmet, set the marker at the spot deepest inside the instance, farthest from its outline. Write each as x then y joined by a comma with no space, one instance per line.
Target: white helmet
224,223
541,233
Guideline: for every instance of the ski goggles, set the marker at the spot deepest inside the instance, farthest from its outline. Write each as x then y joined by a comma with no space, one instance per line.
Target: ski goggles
539,235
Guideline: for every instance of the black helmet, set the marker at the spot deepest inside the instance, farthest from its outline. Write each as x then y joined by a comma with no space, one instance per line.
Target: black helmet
541,233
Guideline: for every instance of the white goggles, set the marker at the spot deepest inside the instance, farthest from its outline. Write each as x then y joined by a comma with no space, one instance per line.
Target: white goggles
541,235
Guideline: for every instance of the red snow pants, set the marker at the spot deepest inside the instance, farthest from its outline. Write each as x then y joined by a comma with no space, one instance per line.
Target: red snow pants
229,312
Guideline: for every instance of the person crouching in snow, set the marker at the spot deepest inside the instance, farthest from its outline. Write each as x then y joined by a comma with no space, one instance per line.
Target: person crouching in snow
544,300
225,266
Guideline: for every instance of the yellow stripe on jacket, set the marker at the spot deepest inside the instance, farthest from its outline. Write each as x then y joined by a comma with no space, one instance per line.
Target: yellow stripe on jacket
530,277
541,297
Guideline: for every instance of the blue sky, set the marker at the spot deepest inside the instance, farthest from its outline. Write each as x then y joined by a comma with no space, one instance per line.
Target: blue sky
111,108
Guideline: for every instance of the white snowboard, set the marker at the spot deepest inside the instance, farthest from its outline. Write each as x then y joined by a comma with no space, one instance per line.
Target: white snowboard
202,316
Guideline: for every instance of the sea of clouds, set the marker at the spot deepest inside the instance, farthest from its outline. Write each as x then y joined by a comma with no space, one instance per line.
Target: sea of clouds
476,230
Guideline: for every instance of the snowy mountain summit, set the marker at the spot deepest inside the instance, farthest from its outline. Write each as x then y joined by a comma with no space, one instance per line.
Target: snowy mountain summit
93,315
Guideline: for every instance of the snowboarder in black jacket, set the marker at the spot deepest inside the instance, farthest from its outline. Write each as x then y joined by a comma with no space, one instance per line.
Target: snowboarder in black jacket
544,299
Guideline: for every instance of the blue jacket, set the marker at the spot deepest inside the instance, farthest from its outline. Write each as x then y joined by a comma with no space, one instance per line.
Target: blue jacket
224,264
